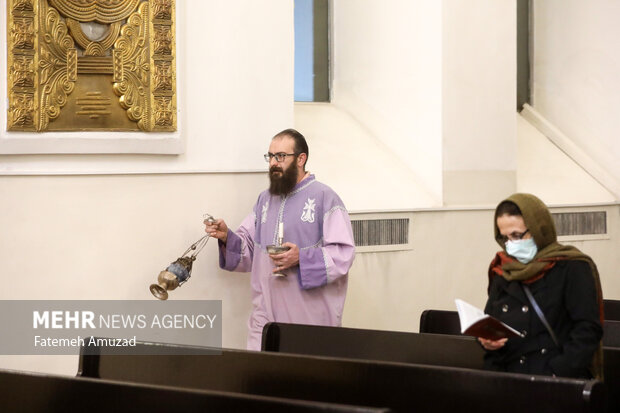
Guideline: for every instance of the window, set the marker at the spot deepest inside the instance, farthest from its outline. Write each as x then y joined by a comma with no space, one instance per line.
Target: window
311,51
523,53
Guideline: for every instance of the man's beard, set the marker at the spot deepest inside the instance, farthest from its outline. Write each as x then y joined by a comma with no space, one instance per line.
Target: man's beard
282,184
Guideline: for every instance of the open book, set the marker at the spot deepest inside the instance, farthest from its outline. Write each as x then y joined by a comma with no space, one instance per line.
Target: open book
474,322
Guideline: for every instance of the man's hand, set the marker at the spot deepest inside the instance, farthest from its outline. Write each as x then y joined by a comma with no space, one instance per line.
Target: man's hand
217,229
492,344
287,259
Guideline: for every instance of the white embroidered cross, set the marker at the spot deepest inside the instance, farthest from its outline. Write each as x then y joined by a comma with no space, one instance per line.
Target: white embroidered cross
307,215
263,216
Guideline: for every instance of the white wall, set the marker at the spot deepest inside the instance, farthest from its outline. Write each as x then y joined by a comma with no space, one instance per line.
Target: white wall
387,78
389,290
233,57
575,67
479,95
357,164
549,173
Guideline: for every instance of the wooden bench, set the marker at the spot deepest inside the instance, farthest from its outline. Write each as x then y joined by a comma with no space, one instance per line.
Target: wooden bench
611,358
611,333
447,322
440,322
42,393
399,386
433,349
612,309
436,349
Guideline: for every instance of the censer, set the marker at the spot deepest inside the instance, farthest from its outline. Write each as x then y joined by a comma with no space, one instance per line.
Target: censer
178,272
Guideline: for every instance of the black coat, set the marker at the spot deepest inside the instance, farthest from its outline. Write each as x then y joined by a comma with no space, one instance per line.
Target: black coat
567,297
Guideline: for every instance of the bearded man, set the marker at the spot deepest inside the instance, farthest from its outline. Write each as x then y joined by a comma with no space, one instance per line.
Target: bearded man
317,231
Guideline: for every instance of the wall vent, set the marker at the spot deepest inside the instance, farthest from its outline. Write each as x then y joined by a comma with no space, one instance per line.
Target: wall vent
580,223
380,232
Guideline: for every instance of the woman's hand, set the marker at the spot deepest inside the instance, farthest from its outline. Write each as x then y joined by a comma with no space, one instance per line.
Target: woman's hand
492,344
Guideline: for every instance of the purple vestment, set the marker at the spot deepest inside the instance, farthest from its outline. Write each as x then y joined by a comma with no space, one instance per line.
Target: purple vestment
313,292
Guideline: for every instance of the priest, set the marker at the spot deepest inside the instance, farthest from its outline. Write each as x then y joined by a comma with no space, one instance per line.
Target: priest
307,284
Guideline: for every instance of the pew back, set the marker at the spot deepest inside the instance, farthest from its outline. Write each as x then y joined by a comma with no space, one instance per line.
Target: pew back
41,393
611,333
612,309
398,386
440,322
611,358
447,322
433,349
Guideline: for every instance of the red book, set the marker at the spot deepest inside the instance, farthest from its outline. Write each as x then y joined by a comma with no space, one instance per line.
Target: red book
474,322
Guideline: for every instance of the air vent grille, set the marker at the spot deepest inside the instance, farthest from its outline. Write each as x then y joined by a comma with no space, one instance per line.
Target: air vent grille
580,223
372,232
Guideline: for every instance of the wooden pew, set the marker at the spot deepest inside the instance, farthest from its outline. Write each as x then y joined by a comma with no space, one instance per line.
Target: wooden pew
447,322
41,393
611,333
612,309
399,386
440,322
611,358
434,349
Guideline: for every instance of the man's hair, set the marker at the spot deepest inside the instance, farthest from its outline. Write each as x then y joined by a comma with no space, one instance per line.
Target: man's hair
301,146
507,208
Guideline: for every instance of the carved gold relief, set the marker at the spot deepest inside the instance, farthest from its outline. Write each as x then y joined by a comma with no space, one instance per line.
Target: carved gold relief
162,10
22,33
133,88
23,5
94,105
23,71
93,47
162,40
163,77
22,111
56,49
91,65
164,111
117,66
102,11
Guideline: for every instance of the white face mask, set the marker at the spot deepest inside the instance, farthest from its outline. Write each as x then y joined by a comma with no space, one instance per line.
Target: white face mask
523,250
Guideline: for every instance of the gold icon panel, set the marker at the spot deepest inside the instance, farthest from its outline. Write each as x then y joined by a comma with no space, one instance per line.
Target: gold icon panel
60,78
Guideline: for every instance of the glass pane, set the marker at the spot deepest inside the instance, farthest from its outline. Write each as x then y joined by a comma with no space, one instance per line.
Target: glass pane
304,47
311,51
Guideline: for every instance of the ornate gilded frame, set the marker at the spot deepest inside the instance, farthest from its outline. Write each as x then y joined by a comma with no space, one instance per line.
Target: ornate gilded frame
58,79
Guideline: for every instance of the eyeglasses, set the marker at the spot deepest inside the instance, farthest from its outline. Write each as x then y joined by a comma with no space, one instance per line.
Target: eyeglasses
280,156
515,236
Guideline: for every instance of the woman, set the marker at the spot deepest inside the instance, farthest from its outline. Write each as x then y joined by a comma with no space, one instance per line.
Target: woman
564,284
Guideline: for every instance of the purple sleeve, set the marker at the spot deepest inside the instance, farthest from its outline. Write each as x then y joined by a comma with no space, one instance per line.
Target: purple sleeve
236,254
327,263
230,253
